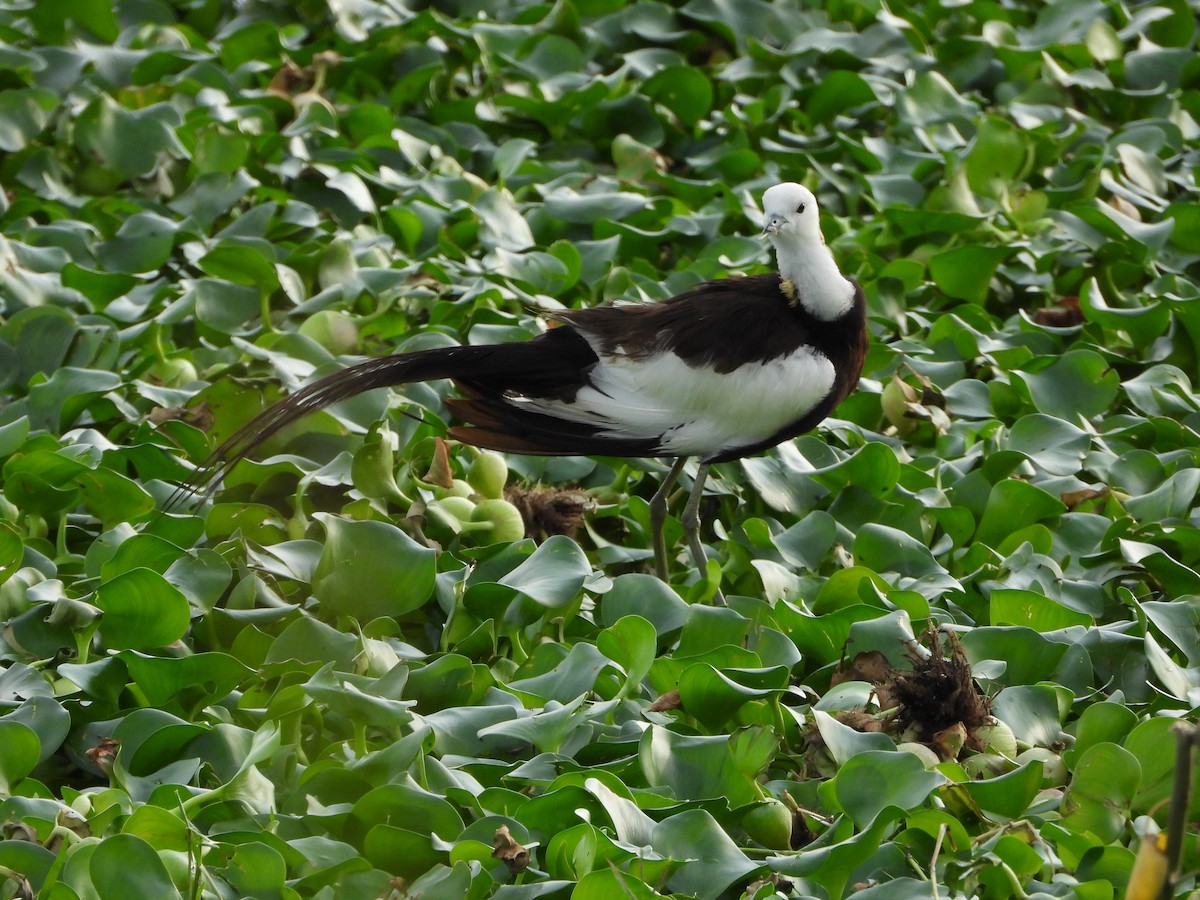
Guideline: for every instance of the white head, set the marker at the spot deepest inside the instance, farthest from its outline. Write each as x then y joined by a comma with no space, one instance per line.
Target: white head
790,214
791,222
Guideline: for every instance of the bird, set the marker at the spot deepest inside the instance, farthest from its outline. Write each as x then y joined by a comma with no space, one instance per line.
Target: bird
724,370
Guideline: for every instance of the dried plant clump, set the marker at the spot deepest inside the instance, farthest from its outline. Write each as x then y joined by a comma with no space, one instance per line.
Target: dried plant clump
935,702
548,510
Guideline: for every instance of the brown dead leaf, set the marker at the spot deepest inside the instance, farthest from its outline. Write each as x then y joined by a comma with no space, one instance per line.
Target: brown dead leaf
872,667
802,835
669,700
1064,314
860,720
439,467
289,80
949,742
199,416
104,753
506,848
1077,498
1124,207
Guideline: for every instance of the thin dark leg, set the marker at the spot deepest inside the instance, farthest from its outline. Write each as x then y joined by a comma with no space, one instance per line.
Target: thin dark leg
691,527
658,515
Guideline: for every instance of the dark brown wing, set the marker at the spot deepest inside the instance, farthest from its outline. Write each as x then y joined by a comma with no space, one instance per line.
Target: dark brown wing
844,342
720,324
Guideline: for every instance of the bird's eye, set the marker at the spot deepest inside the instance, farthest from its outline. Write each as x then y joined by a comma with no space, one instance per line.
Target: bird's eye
800,208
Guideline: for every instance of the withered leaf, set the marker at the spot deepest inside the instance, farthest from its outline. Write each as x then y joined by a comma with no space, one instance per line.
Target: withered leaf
506,848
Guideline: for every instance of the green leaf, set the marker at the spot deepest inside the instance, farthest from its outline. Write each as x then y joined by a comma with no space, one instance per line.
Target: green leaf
1031,711
1053,445
839,91
713,697
700,767
195,681
129,142
256,870
1170,500
837,854
1153,744
404,806
511,154
247,263
113,498
143,243
716,863
887,549
630,642
310,641
965,273
584,209
43,337
1015,607
871,781
160,828
96,16
1009,795
606,883
371,569
549,730
142,611
1080,383
225,306
1186,232
503,224
12,551
20,749
807,543
645,596
553,575
31,861
570,677
631,824
44,717
1102,788
23,115
1178,619
1100,722
998,157
845,743
683,90
872,468
13,435
1013,505
444,682
59,401
124,865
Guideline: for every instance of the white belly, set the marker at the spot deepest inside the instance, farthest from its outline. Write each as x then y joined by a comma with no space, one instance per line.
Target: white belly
695,411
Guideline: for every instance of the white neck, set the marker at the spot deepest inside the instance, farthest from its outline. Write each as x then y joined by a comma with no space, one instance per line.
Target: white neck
820,287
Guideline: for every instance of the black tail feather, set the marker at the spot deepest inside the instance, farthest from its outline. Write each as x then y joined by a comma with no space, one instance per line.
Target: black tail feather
386,371
497,425
553,363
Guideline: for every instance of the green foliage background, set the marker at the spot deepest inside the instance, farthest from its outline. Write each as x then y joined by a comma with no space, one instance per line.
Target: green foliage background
294,695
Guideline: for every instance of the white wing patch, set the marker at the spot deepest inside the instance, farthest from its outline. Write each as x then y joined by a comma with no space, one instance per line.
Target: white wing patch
694,411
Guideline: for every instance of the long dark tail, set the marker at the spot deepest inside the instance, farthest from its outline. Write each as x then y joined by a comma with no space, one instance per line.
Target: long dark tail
386,371
550,364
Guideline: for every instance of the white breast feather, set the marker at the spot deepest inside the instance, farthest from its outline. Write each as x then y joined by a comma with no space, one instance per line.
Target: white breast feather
697,411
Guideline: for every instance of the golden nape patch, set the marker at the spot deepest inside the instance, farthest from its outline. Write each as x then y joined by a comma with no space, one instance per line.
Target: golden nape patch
789,290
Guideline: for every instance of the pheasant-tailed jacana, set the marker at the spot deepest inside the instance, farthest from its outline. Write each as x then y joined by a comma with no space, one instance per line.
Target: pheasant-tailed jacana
719,372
